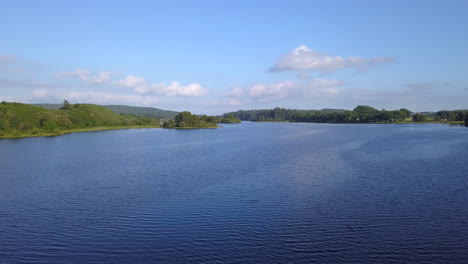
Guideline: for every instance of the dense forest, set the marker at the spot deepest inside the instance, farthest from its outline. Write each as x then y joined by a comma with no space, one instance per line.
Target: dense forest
188,120
360,114
18,120
456,115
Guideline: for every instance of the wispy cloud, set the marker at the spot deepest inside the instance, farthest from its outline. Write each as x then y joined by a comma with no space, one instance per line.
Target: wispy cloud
234,103
235,92
275,91
272,91
11,99
86,76
93,97
303,58
141,87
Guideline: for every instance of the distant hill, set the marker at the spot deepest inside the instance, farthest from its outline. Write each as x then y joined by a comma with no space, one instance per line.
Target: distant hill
142,111
128,110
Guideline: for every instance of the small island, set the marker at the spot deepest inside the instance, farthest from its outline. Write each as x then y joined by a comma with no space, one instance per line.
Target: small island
186,120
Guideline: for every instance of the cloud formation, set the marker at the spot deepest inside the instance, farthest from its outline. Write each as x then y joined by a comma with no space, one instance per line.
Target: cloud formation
235,92
141,87
275,91
86,76
234,103
303,58
272,91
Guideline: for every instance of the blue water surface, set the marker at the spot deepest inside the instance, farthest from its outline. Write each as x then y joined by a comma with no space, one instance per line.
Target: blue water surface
244,193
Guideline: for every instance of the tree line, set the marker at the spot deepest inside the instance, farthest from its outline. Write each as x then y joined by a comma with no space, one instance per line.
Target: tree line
360,114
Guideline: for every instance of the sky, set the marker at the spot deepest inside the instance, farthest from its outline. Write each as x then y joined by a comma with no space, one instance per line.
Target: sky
211,57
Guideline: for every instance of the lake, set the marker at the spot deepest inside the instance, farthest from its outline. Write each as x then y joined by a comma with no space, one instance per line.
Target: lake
244,193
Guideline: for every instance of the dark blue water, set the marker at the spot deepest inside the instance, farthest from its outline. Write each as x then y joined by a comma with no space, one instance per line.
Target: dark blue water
247,193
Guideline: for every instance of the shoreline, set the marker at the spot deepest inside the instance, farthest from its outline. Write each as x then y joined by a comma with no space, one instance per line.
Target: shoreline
76,130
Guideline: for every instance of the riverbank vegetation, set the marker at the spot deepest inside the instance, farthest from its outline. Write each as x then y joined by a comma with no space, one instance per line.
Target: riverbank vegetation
187,120
360,114
229,119
24,120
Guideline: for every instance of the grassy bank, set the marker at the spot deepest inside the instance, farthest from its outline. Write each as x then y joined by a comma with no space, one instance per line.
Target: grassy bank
22,120
68,131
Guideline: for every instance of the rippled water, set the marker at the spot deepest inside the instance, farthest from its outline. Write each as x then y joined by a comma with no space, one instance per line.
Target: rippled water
247,193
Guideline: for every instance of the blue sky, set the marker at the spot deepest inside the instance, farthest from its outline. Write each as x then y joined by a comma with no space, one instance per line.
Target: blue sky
218,56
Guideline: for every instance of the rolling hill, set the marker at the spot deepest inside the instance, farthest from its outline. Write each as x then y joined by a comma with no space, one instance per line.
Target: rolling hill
128,110
22,120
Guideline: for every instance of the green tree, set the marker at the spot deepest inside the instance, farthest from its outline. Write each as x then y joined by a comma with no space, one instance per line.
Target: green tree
404,113
365,113
419,118
66,105
169,124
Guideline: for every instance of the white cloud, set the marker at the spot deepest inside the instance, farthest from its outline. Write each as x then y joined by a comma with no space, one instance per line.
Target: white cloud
10,99
280,90
273,91
235,92
141,87
234,102
102,77
302,58
176,89
323,87
138,84
39,93
86,76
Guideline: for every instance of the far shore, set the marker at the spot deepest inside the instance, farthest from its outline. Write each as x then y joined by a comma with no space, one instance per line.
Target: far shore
396,122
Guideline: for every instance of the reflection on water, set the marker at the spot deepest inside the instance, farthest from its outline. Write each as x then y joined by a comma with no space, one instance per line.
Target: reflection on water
246,193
